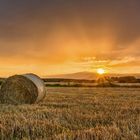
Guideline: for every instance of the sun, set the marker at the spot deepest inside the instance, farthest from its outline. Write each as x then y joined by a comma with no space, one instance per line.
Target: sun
101,71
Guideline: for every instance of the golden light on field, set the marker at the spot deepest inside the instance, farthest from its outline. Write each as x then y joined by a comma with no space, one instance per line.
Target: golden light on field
101,71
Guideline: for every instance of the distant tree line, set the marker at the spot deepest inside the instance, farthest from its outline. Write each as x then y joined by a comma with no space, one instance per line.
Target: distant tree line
123,79
126,79
68,80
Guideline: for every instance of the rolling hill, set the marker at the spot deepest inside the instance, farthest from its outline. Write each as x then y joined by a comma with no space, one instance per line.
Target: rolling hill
87,75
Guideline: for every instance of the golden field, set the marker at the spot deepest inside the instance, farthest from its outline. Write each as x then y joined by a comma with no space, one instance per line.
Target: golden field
75,114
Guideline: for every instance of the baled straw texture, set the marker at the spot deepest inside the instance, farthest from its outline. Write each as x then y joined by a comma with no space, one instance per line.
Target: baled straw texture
18,89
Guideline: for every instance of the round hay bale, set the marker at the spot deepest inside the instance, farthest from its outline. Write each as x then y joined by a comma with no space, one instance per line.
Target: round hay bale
22,89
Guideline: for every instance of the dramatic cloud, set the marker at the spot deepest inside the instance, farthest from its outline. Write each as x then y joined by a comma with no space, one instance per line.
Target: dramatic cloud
42,36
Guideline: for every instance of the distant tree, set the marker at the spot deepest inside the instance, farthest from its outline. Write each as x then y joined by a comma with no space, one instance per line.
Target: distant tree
105,81
127,79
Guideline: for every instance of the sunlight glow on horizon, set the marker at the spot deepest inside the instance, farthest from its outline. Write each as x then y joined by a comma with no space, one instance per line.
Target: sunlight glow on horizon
101,71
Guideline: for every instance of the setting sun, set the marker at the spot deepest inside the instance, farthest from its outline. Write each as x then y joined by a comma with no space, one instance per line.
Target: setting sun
101,71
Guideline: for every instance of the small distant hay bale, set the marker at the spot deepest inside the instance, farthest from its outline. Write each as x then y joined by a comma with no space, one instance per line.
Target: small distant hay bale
21,89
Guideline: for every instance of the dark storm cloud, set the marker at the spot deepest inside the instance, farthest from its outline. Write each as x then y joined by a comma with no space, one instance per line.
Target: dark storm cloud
27,23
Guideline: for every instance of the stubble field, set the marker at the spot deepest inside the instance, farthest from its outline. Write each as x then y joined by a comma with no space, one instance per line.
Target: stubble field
75,114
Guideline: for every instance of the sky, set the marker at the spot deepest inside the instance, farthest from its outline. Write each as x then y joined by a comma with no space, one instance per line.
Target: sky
49,37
